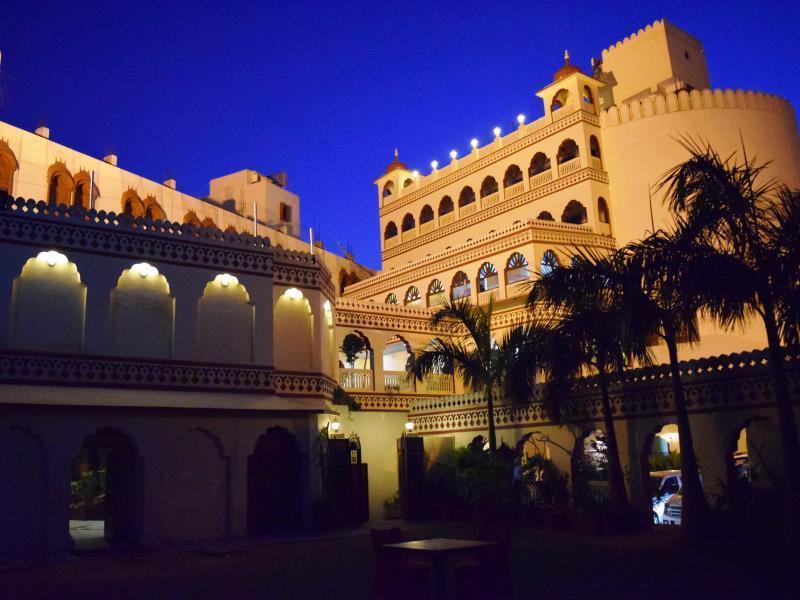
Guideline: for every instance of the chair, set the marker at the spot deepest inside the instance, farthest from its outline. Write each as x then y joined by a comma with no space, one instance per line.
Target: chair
397,578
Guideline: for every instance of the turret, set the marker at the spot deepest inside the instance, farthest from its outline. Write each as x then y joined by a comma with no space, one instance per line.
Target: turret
396,178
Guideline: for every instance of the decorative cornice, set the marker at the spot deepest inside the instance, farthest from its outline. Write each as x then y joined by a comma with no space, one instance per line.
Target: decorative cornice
727,382
383,402
534,231
584,174
106,233
499,154
74,370
391,317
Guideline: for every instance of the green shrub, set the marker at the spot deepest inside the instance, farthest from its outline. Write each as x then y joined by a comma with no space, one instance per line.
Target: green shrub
665,462
89,486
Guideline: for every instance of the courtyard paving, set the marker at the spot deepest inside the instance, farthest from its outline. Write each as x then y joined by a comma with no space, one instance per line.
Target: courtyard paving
544,565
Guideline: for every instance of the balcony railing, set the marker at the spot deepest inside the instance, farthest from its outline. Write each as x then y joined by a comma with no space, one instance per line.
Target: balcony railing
397,381
355,379
391,242
569,166
409,235
438,382
514,190
490,200
541,178
447,218
426,227
596,163
467,210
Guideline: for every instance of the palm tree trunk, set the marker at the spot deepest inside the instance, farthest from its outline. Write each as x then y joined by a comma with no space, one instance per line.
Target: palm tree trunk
490,417
694,518
790,446
618,497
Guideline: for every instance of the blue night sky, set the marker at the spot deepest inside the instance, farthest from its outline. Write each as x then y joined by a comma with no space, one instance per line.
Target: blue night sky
326,91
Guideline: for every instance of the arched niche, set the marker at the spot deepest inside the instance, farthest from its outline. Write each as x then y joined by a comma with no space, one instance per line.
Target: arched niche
59,184
8,166
293,331
142,313
48,305
81,197
274,485
23,471
225,319
197,488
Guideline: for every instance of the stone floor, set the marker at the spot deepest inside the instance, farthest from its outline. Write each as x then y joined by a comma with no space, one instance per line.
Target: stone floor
88,535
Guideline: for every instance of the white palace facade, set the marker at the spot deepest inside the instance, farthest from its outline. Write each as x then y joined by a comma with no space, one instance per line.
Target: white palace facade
153,326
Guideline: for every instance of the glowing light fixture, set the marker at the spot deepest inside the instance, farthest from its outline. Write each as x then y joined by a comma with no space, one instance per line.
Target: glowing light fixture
521,119
415,174
497,131
474,143
327,306
453,154
409,426
293,293
226,280
52,258
434,164
144,270
335,426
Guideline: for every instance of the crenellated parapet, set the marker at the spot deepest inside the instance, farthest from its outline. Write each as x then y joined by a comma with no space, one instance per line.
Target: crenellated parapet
662,104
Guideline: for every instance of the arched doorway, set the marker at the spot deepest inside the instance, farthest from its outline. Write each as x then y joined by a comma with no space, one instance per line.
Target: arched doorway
23,472
661,473
754,469
107,491
273,483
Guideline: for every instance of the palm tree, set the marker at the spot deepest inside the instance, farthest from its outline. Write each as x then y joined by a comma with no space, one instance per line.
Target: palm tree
468,350
747,271
593,323
661,298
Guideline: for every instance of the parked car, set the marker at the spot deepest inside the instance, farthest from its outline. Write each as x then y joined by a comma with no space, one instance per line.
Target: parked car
672,510
663,485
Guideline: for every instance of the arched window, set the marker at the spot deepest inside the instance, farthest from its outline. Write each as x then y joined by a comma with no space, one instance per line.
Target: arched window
390,231
539,164
191,218
391,299
408,182
426,214
80,197
153,210
467,196
567,151
436,293
388,189
59,185
413,297
446,206
549,262
8,166
408,222
487,278
132,205
594,146
574,213
587,95
545,216
489,186
560,100
602,211
460,287
513,175
517,269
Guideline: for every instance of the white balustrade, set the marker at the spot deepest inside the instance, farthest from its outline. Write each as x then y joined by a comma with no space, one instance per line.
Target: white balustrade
355,379
438,382
569,166
397,381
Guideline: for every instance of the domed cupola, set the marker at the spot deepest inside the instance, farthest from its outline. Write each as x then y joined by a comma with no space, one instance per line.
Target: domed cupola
396,164
567,70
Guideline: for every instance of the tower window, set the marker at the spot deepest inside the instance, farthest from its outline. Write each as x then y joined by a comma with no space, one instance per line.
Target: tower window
286,213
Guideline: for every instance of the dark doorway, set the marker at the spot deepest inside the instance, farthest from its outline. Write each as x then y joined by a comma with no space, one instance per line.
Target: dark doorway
106,491
273,483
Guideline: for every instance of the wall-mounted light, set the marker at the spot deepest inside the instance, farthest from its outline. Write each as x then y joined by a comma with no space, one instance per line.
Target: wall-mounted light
434,164
334,426
497,131
409,426
327,306
453,154
293,294
52,258
415,174
474,143
226,280
144,270
521,119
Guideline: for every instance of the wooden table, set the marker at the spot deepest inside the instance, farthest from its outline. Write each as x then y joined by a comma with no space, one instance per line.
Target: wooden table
437,551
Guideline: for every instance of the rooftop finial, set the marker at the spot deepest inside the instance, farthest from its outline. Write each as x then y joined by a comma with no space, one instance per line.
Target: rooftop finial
396,154
566,57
